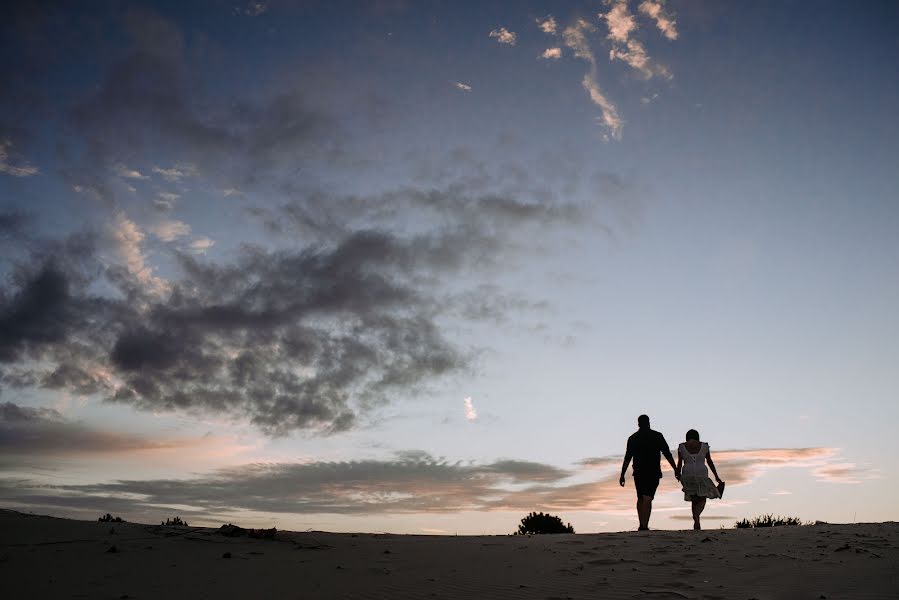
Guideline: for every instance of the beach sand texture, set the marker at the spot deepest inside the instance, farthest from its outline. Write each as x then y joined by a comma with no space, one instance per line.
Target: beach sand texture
46,557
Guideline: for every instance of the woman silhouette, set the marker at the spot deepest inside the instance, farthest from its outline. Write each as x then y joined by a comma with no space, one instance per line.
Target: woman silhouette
692,457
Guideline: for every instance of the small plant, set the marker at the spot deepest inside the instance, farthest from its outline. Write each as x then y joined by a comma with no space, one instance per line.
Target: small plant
108,518
537,523
176,521
768,520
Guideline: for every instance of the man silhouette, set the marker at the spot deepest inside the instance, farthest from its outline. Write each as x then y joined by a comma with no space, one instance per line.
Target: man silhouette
645,446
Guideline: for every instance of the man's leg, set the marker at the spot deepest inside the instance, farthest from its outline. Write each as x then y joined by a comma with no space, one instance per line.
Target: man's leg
647,510
640,512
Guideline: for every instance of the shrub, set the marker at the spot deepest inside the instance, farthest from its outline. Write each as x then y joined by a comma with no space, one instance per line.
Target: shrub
108,518
175,521
768,520
543,523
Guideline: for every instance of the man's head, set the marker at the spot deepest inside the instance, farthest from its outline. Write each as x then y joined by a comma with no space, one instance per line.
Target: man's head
643,421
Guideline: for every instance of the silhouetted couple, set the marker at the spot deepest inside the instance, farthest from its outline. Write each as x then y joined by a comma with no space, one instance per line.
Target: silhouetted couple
645,448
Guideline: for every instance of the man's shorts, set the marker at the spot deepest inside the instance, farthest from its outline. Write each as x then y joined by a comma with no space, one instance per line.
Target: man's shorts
646,485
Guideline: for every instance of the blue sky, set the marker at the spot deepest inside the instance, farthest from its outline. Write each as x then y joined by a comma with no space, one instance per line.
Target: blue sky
417,267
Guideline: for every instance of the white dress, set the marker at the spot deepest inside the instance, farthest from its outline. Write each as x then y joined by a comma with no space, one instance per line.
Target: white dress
695,475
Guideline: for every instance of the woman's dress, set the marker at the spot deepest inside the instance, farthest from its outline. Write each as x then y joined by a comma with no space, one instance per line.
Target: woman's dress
695,475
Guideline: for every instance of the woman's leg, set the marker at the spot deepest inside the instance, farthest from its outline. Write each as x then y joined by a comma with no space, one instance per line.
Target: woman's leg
698,507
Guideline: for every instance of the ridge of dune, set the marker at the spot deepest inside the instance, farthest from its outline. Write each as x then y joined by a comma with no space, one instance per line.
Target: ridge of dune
48,557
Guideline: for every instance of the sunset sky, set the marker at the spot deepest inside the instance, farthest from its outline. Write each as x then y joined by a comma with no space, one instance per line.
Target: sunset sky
417,266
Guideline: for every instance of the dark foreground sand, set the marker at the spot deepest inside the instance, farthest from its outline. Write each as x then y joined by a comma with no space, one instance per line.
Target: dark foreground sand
45,557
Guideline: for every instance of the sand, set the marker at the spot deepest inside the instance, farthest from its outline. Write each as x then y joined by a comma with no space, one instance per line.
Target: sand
46,557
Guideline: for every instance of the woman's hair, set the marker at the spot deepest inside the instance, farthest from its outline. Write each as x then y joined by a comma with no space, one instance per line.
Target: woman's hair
692,435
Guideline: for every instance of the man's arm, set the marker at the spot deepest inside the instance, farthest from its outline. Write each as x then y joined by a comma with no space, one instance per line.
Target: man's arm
629,453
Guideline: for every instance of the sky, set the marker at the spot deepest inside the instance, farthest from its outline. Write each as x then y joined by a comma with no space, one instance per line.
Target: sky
417,267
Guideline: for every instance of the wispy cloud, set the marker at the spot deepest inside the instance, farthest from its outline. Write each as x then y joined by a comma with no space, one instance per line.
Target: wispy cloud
129,240
657,12
548,25
551,54
845,472
575,38
621,25
168,231
504,36
176,173
20,170
462,86
743,466
127,173
252,9
27,430
470,413
411,482
202,244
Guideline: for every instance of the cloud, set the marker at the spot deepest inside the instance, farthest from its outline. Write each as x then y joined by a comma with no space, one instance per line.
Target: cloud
40,302
600,462
548,25
621,24
147,99
28,431
129,238
619,21
342,311
552,53
202,244
845,472
176,173
634,55
739,467
504,36
656,11
470,413
252,9
406,484
19,170
169,231
310,337
13,224
575,38
123,171
165,201
410,482
462,86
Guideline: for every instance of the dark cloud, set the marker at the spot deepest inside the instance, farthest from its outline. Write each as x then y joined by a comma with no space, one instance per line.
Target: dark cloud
600,462
410,482
413,482
38,314
351,312
289,339
154,97
26,431
13,223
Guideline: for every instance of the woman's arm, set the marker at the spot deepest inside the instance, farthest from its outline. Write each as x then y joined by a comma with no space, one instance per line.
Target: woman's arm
680,462
708,458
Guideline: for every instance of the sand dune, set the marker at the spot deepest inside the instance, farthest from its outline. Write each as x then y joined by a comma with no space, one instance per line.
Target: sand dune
46,557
